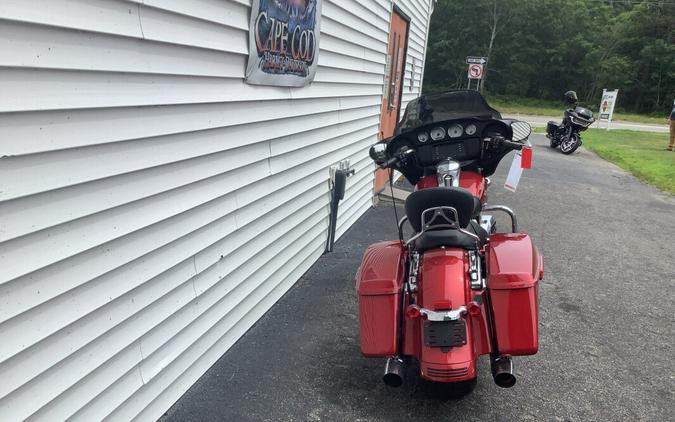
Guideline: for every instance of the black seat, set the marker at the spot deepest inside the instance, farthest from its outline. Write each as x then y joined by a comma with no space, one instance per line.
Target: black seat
467,205
451,238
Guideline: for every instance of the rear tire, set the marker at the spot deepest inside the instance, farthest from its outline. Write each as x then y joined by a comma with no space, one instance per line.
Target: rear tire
552,143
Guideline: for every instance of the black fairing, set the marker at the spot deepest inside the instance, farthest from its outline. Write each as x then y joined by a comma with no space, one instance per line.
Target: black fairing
447,110
580,113
444,106
583,112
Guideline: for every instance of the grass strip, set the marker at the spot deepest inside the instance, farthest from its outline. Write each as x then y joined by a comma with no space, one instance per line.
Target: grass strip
536,107
641,153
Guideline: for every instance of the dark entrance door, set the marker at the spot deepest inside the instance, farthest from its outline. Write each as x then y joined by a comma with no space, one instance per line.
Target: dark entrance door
393,83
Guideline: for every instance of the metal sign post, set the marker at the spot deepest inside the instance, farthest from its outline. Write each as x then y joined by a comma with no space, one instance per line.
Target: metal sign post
607,106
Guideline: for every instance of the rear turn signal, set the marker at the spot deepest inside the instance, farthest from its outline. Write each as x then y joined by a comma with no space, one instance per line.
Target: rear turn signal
412,312
473,308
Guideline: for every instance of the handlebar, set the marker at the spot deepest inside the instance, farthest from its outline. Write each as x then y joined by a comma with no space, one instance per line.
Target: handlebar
499,141
397,158
403,154
513,145
390,162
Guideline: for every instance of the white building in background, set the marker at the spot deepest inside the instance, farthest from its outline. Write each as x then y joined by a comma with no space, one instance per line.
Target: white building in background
152,204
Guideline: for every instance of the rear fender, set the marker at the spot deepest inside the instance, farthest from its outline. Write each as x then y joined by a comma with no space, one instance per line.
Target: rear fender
444,285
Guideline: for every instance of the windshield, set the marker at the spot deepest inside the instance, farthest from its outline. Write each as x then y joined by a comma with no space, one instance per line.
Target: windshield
442,106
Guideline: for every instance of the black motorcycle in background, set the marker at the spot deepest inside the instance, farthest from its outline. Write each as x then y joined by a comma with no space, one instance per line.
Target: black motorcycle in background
567,134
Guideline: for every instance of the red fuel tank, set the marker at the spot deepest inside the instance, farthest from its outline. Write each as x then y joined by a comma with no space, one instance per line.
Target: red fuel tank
514,269
379,283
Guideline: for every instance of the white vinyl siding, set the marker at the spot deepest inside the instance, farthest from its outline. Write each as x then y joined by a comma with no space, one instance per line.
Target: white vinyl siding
152,205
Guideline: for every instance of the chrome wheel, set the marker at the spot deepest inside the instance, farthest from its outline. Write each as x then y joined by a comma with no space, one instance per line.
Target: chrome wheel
570,144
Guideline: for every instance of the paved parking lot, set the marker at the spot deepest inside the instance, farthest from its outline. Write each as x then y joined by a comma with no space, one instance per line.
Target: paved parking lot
606,319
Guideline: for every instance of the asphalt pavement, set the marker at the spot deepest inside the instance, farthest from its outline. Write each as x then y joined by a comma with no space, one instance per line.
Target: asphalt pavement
540,121
606,319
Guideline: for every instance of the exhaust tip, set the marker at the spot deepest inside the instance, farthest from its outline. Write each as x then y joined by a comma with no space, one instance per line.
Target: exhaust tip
502,372
392,380
393,372
505,380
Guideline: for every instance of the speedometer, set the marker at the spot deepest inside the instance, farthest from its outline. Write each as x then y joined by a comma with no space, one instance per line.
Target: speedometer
470,130
455,131
437,133
423,137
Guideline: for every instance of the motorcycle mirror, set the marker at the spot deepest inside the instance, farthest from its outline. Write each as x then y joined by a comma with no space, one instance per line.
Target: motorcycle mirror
521,130
378,153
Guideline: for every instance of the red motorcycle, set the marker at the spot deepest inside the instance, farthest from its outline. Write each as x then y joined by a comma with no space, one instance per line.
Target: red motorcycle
457,288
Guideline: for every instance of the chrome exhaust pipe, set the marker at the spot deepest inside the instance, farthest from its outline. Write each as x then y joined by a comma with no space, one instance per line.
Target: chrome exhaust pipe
502,371
394,371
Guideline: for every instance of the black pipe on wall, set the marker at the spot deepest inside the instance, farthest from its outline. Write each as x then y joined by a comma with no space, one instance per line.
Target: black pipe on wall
337,194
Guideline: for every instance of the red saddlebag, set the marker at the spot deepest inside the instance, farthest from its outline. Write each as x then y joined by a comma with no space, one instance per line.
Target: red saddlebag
514,269
379,283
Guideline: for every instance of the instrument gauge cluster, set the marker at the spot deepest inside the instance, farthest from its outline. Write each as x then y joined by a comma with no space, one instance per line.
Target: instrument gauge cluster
459,139
455,131
437,133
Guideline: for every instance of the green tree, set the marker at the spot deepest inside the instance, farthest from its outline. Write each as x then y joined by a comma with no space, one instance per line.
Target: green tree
542,48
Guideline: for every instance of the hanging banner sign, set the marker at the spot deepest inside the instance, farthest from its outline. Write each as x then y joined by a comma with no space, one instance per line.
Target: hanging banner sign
607,104
283,42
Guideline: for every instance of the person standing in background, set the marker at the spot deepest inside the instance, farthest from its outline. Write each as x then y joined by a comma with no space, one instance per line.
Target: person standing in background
671,145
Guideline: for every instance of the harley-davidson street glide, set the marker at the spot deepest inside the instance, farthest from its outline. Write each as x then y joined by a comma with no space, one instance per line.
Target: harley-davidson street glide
458,288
